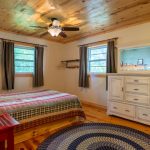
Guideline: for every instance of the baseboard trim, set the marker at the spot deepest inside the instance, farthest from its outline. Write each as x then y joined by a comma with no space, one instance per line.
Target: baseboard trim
87,103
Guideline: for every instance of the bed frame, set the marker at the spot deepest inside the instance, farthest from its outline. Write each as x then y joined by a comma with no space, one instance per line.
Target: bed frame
51,127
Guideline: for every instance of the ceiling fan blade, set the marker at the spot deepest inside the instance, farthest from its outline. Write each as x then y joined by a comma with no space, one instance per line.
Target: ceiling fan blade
43,34
40,27
62,34
70,28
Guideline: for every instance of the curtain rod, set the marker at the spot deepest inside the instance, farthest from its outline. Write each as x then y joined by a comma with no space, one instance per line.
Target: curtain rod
23,42
98,42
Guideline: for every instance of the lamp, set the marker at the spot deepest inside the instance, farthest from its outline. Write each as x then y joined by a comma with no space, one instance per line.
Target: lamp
54,31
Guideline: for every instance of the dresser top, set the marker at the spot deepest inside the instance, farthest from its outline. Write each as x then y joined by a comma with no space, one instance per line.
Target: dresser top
129,74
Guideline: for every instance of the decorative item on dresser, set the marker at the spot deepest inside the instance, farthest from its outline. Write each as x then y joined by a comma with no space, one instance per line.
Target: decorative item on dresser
129,97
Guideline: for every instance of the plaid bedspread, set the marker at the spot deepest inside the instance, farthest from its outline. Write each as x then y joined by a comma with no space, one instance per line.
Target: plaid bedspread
29,106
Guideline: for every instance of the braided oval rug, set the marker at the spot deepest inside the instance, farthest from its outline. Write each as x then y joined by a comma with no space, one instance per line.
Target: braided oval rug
97,136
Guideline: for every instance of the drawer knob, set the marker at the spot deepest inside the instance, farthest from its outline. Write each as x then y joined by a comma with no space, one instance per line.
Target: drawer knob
136,89
145,115
127,110
115,107
136,80
136,99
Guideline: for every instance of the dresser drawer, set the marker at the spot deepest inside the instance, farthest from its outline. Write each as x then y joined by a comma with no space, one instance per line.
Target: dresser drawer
123,109
138,88
143,113
140,99
137,80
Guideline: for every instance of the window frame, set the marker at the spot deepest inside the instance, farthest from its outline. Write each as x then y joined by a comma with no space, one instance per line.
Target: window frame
96,74
23,74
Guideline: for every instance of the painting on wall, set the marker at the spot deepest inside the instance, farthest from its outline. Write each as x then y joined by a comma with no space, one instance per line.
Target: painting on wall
134,59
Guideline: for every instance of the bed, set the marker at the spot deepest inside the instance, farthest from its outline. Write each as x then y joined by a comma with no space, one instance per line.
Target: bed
34,108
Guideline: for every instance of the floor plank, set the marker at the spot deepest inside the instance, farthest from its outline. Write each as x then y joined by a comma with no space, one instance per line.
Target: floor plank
93,114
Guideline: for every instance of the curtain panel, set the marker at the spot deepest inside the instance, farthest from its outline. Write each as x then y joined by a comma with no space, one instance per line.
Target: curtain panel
8,69
38,68
83,74
111,56
111,59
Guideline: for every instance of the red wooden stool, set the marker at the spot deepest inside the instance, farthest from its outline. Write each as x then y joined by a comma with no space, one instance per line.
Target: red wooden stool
7,124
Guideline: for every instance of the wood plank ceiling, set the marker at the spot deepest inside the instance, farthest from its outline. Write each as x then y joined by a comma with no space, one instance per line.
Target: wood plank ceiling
92,16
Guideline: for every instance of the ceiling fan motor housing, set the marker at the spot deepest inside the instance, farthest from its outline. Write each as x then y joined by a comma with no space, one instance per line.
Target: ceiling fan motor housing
56,23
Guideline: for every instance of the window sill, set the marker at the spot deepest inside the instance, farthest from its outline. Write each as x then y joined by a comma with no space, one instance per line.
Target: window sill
98,75
23,75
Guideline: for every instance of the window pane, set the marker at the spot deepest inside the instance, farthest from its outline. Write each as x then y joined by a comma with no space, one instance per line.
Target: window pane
98,56
98,63
99,50
24,59
98,69
24,69
97,59
24,50
24,63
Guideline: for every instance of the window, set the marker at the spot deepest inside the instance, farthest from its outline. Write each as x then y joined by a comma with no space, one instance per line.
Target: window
24,59
97,59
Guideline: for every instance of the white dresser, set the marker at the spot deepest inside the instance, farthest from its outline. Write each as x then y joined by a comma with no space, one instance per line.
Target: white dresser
129,97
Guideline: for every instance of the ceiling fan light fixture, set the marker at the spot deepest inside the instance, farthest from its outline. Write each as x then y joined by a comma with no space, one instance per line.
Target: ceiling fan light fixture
54,31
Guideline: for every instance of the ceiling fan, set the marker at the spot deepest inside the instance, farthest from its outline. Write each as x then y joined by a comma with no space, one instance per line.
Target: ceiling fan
55,29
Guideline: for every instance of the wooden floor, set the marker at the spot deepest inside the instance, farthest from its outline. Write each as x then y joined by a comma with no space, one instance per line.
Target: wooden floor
93,114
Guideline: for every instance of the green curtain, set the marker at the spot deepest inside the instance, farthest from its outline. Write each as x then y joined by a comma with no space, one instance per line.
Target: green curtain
38,68
83,75
8,69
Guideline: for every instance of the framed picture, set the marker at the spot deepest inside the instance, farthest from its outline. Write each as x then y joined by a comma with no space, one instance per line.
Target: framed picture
140,62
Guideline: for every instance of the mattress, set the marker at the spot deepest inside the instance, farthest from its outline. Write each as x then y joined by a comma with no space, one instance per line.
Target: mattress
32,106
